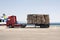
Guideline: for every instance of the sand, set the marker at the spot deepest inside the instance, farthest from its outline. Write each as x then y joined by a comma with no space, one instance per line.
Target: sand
52,33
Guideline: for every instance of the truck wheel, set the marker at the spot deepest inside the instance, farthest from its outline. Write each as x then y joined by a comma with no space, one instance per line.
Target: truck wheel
0,20
10,26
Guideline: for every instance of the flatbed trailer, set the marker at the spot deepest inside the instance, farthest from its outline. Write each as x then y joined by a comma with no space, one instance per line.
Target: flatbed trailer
40,25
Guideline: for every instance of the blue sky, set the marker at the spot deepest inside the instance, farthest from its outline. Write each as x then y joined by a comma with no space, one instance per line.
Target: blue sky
21,8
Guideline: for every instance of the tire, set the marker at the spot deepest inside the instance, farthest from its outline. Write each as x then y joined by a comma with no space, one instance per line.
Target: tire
47,25
44,26
10,26
0,20
23,26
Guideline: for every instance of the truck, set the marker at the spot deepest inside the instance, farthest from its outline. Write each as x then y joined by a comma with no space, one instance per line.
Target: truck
41,20
12,22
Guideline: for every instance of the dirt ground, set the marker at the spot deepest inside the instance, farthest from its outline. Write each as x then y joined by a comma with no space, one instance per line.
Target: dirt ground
52,33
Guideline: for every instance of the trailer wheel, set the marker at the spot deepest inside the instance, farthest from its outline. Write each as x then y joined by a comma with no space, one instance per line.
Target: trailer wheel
23,26
44,26
47,25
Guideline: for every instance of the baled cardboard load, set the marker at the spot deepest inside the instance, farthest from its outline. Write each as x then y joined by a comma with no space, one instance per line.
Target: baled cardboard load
37,19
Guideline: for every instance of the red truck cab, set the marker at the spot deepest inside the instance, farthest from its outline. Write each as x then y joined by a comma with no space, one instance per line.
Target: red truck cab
12,22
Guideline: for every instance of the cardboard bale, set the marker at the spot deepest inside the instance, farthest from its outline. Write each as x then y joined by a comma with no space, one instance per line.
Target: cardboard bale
46,19
34,19
42,20
30,18
29,21
38,20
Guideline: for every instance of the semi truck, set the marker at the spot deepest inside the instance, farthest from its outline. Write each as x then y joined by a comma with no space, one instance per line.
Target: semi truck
41,20
12,22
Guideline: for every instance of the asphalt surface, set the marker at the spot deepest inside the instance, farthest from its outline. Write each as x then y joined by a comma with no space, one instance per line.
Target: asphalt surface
52,33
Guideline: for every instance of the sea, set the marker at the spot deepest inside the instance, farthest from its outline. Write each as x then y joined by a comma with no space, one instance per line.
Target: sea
55,24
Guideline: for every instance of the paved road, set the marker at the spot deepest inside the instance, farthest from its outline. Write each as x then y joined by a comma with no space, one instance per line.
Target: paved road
52,33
